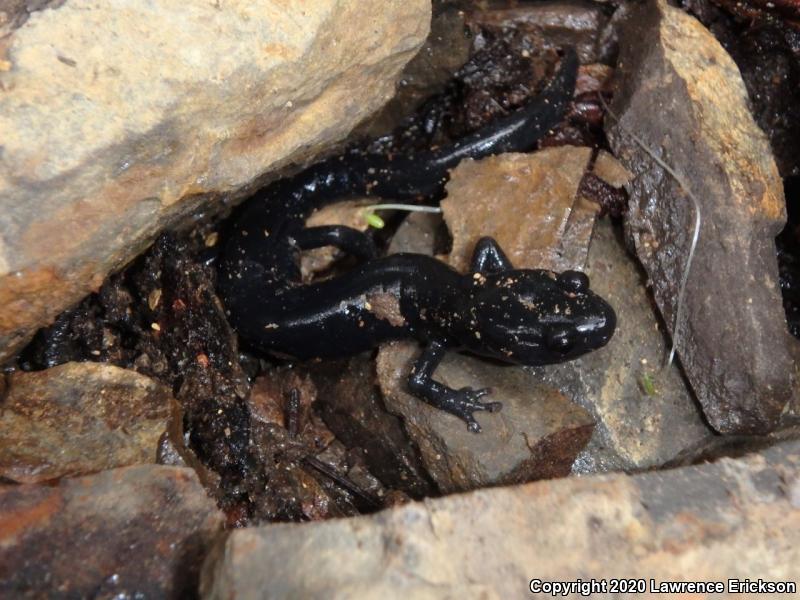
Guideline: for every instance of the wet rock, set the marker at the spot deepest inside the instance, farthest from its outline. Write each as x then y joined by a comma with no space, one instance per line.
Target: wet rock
706,523
637,428
536,435
766,48
351,405
162,109
527,202
80,418
732,340
551,24
131,532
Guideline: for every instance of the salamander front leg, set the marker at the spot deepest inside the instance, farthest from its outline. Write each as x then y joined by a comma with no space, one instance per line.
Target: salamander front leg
349,240
461,403
488,257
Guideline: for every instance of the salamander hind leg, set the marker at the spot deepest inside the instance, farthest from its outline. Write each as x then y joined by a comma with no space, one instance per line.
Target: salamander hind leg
461,403
347,239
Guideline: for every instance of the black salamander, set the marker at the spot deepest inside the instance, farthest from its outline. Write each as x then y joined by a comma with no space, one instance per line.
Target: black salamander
529,317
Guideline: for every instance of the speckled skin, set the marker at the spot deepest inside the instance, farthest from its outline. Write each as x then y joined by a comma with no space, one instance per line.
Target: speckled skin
530,317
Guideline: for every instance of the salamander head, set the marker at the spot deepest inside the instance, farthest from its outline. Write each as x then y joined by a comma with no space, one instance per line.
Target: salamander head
535,317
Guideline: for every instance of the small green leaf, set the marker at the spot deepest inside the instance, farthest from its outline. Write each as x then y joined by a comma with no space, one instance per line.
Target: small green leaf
648,385
374,220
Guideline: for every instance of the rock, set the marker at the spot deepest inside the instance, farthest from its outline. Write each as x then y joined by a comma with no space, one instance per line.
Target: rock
732,519
551,24
417,233
131,532
80,418
163,109
351,405
636,429
682,94
536,435
766,49
527,202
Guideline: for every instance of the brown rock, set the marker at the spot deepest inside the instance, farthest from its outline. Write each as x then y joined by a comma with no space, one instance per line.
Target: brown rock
527,202
161,109
536,435
706,523
683,95
130,532
80,418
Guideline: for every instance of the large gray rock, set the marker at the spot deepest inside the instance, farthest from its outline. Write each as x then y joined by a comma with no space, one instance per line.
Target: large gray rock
683,95
639,426
731,519
119,119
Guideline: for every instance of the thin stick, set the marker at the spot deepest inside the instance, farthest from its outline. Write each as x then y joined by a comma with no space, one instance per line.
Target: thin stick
408,207
344,482
697,223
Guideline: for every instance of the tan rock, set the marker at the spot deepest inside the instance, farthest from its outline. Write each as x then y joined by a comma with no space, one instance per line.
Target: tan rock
80,418
732,519
118,120
527,202
681,93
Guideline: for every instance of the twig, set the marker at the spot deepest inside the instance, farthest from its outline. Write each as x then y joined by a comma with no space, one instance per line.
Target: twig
344,482
408,207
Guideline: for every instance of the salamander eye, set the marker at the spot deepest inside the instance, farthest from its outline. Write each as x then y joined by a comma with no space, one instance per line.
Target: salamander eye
574,281
559,339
